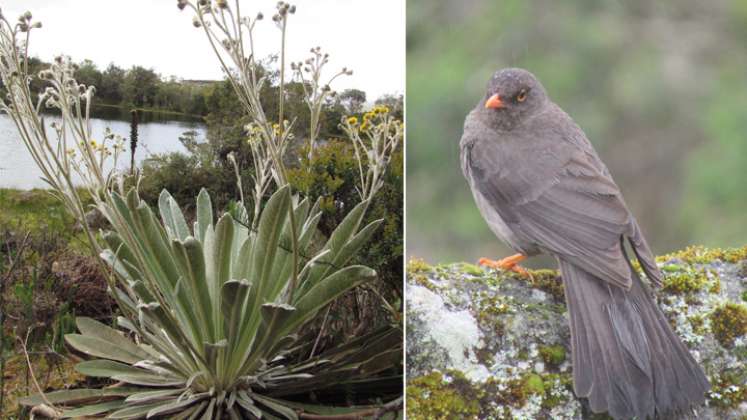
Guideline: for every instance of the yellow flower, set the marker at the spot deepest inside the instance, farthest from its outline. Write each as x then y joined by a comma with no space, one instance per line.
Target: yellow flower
352,120
93,143
365,125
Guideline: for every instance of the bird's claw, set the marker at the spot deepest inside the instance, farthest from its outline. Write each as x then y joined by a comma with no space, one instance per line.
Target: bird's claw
507,264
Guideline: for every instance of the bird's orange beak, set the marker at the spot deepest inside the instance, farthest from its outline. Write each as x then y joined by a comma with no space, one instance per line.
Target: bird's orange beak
494,102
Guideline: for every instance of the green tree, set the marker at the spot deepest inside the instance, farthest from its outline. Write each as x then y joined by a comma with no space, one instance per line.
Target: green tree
88,74
140,86
109,90
353,100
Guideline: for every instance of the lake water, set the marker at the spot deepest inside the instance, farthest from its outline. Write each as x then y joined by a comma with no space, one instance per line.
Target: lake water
18,170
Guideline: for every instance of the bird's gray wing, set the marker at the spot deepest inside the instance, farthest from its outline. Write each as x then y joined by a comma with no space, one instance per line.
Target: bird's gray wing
565,203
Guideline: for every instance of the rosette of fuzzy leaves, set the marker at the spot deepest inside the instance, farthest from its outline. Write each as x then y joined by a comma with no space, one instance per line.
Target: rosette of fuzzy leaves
211,314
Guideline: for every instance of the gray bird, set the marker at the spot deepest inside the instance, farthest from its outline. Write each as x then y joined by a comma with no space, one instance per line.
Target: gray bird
541,187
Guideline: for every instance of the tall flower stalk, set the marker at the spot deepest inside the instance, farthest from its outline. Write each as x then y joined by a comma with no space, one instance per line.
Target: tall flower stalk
69,150
375,139
316,91
232,38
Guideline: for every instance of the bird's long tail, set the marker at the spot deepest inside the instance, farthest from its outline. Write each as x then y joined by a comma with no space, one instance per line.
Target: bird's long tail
626,358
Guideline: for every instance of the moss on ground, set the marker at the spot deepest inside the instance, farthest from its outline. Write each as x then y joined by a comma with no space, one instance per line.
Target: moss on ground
38,211
52,371
33,210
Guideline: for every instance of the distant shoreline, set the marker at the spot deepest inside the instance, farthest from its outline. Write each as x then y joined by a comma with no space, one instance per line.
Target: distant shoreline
150,110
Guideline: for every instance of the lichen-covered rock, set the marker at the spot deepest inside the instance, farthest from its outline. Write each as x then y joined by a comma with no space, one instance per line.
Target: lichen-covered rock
489,345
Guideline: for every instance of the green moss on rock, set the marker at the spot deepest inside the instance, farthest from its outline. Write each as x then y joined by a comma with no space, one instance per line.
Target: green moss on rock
552,355
490,306
417,265
472,269
520,367
435,396
684,282
728,390
452,396
534,385
548,281
697,254
729,322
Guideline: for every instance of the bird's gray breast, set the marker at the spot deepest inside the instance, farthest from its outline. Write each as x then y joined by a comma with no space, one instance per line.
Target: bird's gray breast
497,224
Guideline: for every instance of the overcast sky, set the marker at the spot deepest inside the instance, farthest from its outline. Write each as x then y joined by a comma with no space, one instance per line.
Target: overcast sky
368,37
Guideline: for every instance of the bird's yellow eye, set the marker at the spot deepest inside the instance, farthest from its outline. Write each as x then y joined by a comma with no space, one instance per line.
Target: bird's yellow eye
522,96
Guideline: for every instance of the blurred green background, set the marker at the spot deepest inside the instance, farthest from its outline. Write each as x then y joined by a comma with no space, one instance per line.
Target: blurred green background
660,90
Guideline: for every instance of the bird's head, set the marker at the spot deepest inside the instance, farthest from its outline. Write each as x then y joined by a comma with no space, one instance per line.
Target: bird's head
512,95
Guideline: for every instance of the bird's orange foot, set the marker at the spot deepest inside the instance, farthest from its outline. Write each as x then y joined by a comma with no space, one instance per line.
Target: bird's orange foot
507,264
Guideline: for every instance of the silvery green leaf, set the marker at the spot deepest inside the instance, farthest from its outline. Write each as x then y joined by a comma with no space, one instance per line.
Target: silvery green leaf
152,396
204,214
339,237
105,368
170,407
271,225
190,259
247,404
208,414
71,396
172,216
275,314
97,347
92,410
276,406
136,411
234,296
224,231
326,291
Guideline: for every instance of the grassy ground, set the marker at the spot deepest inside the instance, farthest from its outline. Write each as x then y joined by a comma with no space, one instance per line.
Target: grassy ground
38,211
34,304
32,210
